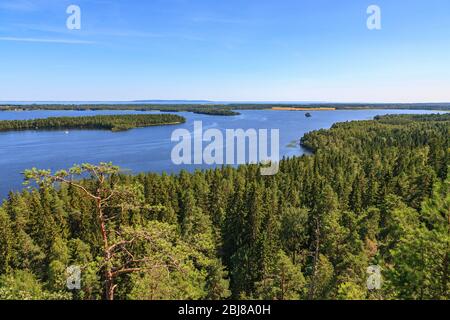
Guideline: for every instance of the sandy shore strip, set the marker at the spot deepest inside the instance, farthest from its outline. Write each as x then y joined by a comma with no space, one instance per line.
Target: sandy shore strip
302,109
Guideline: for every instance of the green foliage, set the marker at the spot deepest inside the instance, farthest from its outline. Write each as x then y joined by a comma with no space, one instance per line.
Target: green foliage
351,291
283,281
420,262
23,285
6,242
373,193
170,272
294,231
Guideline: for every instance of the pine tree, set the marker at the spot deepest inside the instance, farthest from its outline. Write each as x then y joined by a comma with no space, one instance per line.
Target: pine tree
283,281
6,242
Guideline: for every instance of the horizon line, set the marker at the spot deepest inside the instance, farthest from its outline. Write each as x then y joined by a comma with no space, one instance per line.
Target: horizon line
216,101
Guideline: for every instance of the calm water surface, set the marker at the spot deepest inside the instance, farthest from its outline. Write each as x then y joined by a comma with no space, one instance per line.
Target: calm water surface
145,149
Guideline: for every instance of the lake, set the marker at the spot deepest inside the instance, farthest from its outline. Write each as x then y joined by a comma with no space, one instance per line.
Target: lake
146,149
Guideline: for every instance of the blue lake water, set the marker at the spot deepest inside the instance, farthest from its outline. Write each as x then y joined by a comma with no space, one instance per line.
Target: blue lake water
145,149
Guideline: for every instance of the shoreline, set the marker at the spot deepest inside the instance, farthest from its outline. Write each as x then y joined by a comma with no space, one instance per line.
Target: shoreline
93,129
303,109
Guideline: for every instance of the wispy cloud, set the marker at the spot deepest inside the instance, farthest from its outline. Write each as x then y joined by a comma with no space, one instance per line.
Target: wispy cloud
38,27
17,5
122,33
43,40
219,20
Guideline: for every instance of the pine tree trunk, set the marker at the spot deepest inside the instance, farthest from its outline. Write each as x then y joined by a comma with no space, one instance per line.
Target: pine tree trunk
109,280
312,286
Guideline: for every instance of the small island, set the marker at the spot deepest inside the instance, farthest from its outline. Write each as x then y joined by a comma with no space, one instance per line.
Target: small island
102,122
216,112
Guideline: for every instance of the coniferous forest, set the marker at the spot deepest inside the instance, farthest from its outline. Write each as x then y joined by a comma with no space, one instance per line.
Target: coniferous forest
374,193
103,122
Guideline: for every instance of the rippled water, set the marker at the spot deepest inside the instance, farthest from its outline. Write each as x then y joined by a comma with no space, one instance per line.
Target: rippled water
145,149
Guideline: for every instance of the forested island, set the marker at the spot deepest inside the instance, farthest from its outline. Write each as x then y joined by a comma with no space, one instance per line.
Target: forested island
104,122
213,110
216,112
374,193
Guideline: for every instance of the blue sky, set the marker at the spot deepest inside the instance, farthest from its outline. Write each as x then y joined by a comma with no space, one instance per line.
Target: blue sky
229,50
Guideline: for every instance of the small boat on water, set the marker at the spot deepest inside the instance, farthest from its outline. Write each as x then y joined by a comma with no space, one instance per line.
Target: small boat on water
308,115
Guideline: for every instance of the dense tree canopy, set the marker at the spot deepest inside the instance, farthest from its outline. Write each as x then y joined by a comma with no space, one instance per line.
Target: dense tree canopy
374,193
110,122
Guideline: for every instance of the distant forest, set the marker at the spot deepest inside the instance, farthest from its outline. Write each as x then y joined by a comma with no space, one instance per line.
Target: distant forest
374,193
224,109
106,122
219,110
